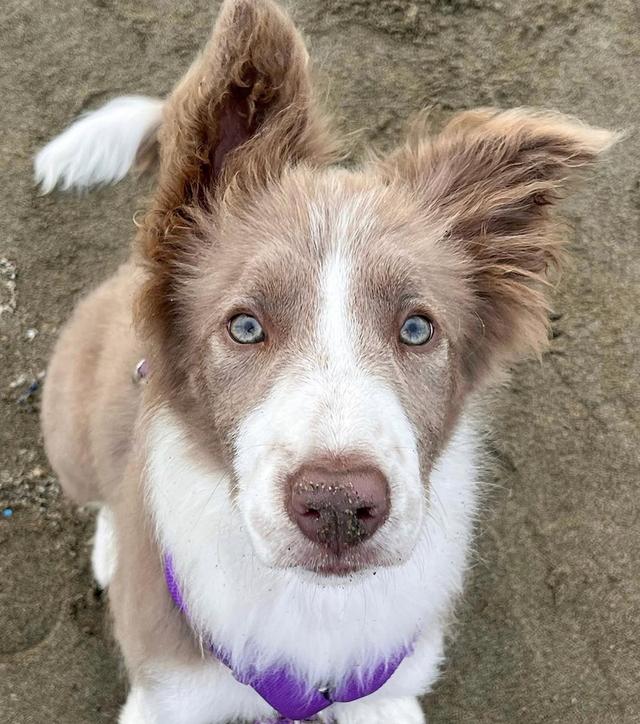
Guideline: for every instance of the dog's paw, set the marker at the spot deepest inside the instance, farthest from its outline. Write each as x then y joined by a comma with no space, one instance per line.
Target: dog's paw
133,712
104,555
382,711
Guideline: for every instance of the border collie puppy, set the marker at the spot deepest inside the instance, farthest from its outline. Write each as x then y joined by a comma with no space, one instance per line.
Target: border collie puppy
289,483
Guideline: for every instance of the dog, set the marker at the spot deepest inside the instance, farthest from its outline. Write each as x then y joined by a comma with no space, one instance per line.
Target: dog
289,480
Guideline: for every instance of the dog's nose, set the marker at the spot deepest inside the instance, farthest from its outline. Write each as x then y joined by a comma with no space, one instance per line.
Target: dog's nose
338,505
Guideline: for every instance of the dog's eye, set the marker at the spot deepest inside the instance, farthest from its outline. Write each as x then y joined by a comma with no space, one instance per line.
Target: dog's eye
245,329
416,330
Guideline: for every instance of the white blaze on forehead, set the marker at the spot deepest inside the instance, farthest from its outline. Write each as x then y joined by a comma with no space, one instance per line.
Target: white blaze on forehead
336,325
337,368
339,231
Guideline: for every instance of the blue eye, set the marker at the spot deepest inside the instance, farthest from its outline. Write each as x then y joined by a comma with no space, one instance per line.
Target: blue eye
416,330
245,329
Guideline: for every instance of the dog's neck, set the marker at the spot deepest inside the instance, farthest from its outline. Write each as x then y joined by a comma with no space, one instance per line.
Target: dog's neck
260,615
293,698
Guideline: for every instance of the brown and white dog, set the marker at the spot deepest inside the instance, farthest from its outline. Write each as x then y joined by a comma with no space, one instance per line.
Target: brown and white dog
304,446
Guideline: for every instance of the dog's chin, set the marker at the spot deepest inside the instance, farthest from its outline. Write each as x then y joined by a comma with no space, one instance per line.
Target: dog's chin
323,567
339,571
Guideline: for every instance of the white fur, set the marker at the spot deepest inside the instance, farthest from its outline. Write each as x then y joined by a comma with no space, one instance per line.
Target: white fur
321,628
396,711
205,695
104,554
133,712
100,147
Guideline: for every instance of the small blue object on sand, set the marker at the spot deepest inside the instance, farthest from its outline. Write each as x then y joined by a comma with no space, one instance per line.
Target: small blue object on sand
7,512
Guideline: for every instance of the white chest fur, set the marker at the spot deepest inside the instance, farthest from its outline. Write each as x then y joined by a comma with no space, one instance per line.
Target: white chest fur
322,628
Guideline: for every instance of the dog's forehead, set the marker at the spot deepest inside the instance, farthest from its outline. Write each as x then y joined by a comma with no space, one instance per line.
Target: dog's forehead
299,225
286,240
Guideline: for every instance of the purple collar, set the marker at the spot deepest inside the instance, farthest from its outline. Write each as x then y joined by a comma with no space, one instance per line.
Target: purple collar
291,697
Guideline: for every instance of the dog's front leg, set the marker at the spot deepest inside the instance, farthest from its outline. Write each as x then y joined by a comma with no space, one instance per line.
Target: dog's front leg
406,710
205,694
135,711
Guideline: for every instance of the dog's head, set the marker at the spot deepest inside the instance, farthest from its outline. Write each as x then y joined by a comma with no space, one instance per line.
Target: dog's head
319,329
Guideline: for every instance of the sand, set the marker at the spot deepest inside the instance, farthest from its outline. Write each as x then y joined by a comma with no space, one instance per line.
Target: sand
547,628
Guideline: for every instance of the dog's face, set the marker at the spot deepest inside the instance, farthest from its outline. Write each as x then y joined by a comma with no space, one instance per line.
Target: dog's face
322,327
327,317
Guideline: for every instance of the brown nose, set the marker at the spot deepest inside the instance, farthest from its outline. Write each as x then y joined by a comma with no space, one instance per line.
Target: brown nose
338,505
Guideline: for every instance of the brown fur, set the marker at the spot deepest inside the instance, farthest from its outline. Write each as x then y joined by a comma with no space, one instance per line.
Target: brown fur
90,412
492,178
250,90
90,402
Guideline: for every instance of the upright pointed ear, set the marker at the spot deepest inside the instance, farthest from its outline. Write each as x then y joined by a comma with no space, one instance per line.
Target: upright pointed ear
491,179
243,112
250,89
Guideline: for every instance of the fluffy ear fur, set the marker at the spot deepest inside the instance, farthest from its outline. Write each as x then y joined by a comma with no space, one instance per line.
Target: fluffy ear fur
491,178
243,112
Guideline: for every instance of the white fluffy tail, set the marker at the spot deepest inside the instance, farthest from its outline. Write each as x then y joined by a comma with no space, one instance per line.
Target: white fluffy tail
100,147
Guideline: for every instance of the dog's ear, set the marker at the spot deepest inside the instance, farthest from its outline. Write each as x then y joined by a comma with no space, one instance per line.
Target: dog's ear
244,111
491,180
246,105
